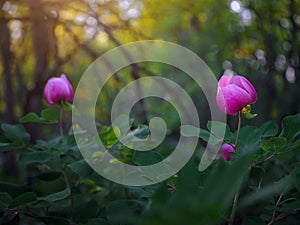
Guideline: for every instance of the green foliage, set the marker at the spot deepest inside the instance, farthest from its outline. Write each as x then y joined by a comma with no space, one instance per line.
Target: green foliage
53,184
34,157
48,116
28,197
81,168
58,195
14,136
64,187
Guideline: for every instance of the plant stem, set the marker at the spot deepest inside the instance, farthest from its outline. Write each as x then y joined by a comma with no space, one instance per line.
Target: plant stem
235,205
274,212
237,193
281,216
238,128
61,130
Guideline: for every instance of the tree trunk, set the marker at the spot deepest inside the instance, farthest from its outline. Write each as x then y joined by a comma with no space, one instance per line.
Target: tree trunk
6,62
8,158
40,42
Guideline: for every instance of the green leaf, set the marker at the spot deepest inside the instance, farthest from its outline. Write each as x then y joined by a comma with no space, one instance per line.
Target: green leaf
58,195
5,146
16,134
249,136
273,144
228,177
192,131
296,144
13,189
146,158
189,131
31,118
284,184
219,129
290,127
28,197
108,136
141,132
269,129
51,115
48,116
34,157
292,206
67,106
81,168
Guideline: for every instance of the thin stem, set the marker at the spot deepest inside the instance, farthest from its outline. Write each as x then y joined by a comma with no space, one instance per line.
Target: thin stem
270,157
238,128
61,130
237,193
281,216
235,205
274,212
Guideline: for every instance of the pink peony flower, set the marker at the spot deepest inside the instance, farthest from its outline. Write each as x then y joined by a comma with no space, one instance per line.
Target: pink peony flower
234,93
225,149
58,89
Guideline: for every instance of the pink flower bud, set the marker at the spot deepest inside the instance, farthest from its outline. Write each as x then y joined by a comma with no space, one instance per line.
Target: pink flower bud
234,93
225,149
58,89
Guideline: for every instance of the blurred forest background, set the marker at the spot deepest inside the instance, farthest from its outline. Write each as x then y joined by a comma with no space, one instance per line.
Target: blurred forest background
40,39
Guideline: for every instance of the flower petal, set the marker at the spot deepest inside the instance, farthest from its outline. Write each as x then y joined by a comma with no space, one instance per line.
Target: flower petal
70,88
245,84
58,89
224,81
232,99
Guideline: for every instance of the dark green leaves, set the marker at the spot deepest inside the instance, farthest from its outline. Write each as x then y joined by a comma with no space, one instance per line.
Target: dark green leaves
16,135
269,129
58,195
48,116
274,144
287,139
28,197
81,168
191,131
146,158
218,130
34,157
291,127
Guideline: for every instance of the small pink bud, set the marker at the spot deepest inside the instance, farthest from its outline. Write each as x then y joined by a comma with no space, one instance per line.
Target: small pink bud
172,188
234,93
58,89
225,149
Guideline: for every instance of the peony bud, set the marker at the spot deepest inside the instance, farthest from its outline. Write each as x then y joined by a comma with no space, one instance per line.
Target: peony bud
234,93
225,149
58,89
